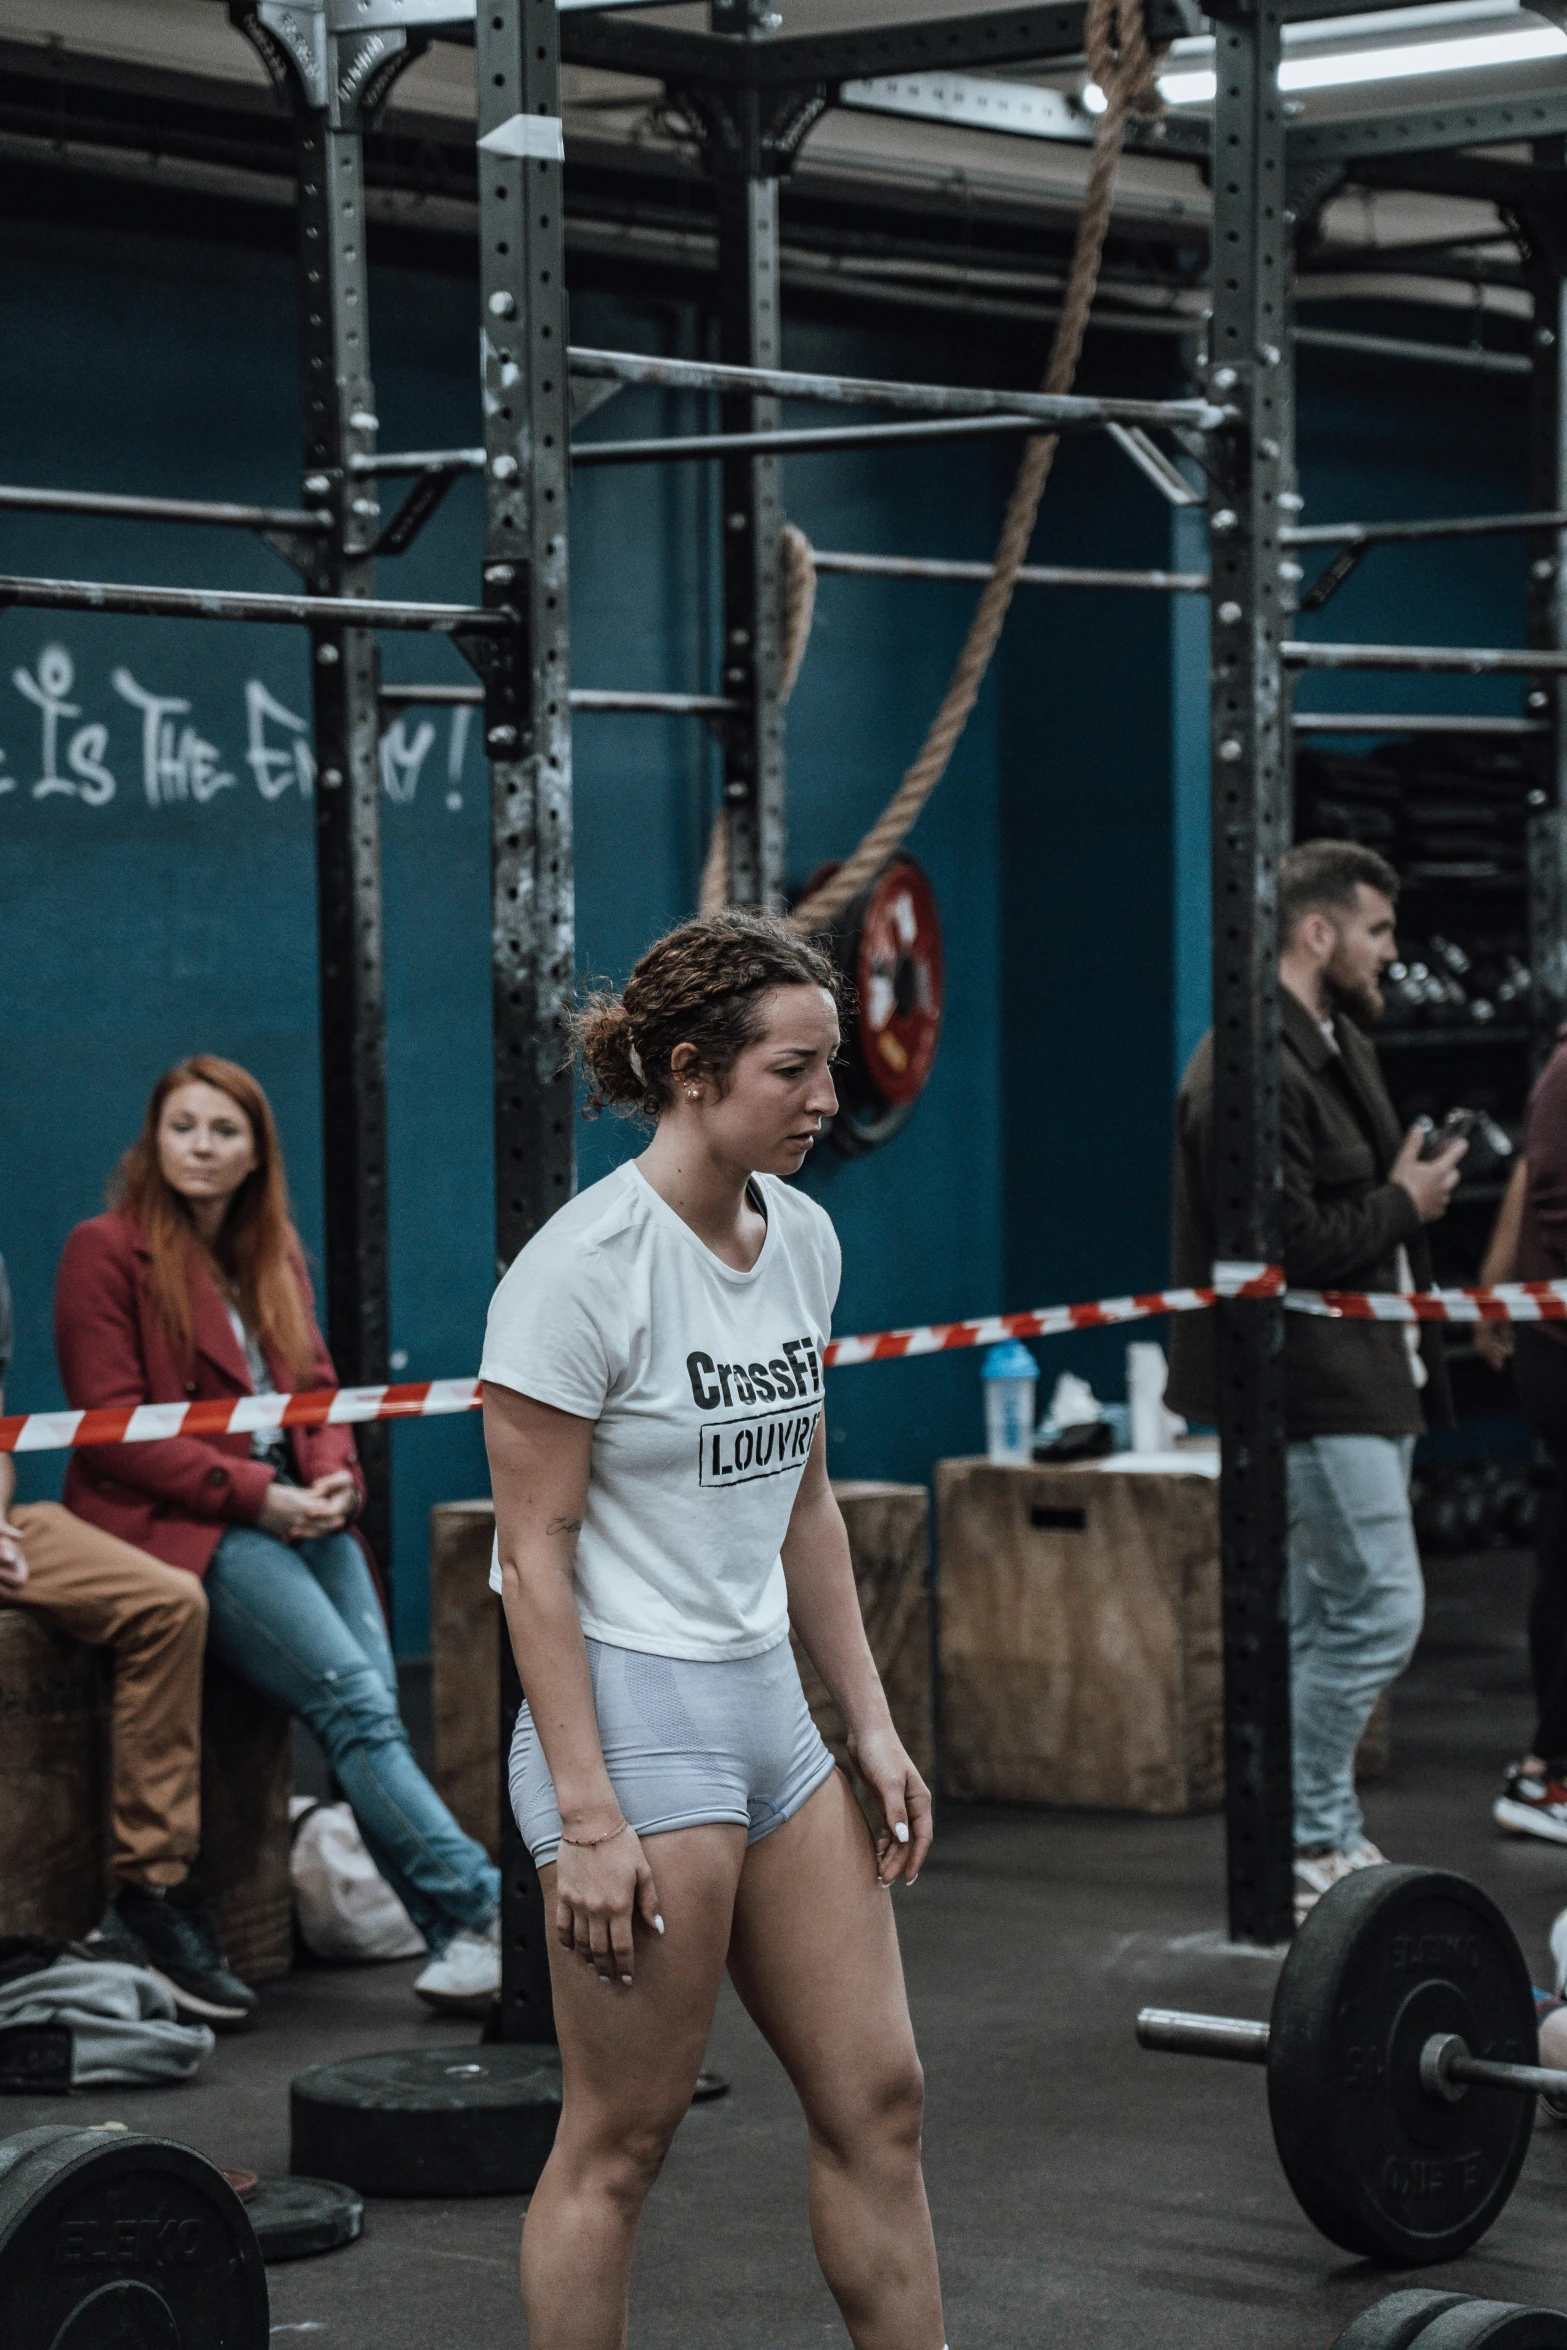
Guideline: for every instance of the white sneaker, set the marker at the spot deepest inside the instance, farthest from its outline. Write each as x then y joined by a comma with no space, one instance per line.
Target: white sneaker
1365,1855
467,1974
1315,1874
1559,1953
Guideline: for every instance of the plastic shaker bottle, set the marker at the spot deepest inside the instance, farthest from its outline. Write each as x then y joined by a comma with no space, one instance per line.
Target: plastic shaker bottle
1009,1372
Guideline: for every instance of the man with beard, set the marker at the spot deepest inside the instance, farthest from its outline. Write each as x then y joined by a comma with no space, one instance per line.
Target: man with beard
1357,1197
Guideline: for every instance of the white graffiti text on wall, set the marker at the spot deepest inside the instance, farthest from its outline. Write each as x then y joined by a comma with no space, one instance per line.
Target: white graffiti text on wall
154,740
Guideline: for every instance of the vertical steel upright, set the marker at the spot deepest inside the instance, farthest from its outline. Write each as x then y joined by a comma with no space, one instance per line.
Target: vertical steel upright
1545,242
750,335
336,80
527,733
1250,373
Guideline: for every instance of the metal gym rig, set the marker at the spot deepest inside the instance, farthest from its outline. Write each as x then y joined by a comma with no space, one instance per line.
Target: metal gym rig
750,93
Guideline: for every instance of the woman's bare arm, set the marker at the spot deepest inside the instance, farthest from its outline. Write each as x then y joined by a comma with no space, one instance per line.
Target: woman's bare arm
539,1460
825,1610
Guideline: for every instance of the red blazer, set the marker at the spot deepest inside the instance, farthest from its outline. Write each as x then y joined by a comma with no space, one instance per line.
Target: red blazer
176,1497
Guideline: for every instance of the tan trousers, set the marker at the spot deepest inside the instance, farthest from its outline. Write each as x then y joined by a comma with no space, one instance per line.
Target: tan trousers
108,1594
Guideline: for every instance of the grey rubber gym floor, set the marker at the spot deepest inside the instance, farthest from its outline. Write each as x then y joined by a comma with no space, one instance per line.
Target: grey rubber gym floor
1084,2193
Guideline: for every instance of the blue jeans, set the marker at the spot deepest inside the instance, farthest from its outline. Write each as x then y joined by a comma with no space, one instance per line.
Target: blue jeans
1356,1603
303,1624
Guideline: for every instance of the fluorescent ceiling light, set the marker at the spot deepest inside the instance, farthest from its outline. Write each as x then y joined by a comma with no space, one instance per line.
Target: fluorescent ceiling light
1411,58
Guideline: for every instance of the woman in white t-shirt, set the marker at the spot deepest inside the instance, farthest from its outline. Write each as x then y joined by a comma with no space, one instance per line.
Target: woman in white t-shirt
653,1411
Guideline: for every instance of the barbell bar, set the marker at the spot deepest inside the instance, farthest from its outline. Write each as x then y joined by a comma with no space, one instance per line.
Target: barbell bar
1447,2067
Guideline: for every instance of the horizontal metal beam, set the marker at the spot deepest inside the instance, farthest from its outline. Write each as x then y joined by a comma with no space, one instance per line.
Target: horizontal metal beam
1023,110
162,603
1425,722
113,506
1053,575
801,440
582,697
434,461
1387,534
992,36
1435,660
1061,412
611,699
1332,338
1486,122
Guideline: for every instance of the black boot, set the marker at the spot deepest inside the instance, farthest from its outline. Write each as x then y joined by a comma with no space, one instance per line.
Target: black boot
178,1941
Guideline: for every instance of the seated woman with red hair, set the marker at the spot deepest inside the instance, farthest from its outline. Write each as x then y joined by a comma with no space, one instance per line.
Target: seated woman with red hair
192,1286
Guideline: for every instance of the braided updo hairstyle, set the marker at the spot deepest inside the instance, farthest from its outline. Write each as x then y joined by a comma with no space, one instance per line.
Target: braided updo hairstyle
701,985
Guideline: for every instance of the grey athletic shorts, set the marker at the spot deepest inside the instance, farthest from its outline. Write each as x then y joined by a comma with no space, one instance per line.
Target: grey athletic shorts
685,1745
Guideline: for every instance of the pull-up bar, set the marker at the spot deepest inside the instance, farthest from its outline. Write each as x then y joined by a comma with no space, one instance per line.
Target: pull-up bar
1387,534
1423,722
1463,660
582,697
114,506
1193,583
164,603
1064,412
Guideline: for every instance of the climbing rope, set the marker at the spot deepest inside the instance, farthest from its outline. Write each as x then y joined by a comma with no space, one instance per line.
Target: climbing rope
1125,68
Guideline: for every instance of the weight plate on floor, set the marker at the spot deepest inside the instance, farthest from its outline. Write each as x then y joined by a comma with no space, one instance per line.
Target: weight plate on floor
114,2241
1497,2325
1387,1958
124,2316
295,2217
1393,2322
429,2121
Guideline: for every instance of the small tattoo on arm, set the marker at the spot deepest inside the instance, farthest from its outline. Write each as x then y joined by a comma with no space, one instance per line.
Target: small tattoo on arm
564,1526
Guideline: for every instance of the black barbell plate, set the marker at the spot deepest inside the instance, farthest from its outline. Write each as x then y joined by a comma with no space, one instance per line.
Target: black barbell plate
296,2217
1393,2322
1387,1958
84,2209
127,2315
429,2121
1497,2325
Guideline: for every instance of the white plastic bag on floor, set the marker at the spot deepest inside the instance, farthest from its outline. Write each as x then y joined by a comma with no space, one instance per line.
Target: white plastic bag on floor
346,1908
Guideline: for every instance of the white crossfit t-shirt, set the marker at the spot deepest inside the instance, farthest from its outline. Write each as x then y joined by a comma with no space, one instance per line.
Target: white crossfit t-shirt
705,1388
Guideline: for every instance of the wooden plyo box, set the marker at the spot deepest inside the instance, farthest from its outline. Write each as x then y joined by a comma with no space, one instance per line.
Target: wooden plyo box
54,1768
1080,1640
465,1685
1081,1655
54,1759
888,1537
889,1541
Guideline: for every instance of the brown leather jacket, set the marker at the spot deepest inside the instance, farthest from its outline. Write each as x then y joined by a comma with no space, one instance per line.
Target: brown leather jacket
1342,1224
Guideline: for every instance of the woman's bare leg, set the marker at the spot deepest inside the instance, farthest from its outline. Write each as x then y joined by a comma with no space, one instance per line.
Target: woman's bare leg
629,2060
814,1956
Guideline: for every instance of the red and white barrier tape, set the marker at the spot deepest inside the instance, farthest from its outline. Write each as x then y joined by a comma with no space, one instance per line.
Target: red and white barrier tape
154,1423
151,1423
1049,1321
1509,1301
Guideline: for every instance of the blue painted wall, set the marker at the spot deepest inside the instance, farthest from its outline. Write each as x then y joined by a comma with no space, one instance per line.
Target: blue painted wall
1088,1006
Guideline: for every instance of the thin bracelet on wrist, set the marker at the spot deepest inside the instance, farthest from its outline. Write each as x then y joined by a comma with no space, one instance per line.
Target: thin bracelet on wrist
586,1843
